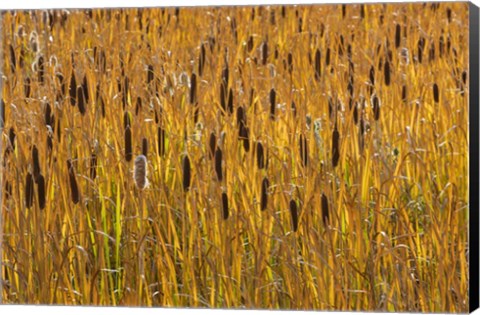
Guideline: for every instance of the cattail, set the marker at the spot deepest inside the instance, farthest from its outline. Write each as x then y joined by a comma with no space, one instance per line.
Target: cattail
386,70
344,10
230,101
225,205
464,77
11,137
317,65
294,109
222,97
128,144
294,214
29,190
362,11
140,171
144,146
350,86
81,100
250,43
290,62
193,88
2,113
13,62
73,183
404,93
36,163
245,135
372,75
376,107
41,70
272,103
421,46
201,60
48,114
241,118
335,147
41,191
21,58
73,90
330,107
218,164
212,143
397,35
303,150
264,53
260,156
355,113
138,106
85,89
436,95
186,173
324,209
26,87
264,194
161,141
93,166
327,57
441,44
150,74
431,54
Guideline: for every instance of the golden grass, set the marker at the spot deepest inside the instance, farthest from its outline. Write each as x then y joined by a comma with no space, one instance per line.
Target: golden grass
381,206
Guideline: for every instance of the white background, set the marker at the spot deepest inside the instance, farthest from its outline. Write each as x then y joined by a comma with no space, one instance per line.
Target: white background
34,4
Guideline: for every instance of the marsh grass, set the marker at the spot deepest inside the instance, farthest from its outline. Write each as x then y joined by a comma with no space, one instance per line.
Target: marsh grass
375,219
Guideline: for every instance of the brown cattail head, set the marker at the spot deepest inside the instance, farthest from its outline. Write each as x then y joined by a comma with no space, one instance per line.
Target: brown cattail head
386,71
421,46
138,106
264,194
201,60
436,93
225,205
397,35
294,214
161,141
335,147
272,103
317,65
140,171
376,107
290,62
260,156
218,164
264,52
93,166
325,209
85,89
36,163
73,183
244,135
11,138
241,118
150,74
128,144
41,191
230,101
29,190
212,143
186,173
72,90
404,93
81,100
144,146
48,115
303,150
250,43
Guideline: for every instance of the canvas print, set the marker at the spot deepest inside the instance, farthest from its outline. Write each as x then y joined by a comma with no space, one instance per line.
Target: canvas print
309,157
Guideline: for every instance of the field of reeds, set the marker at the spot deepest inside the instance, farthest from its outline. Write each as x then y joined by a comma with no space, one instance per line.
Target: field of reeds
284,157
